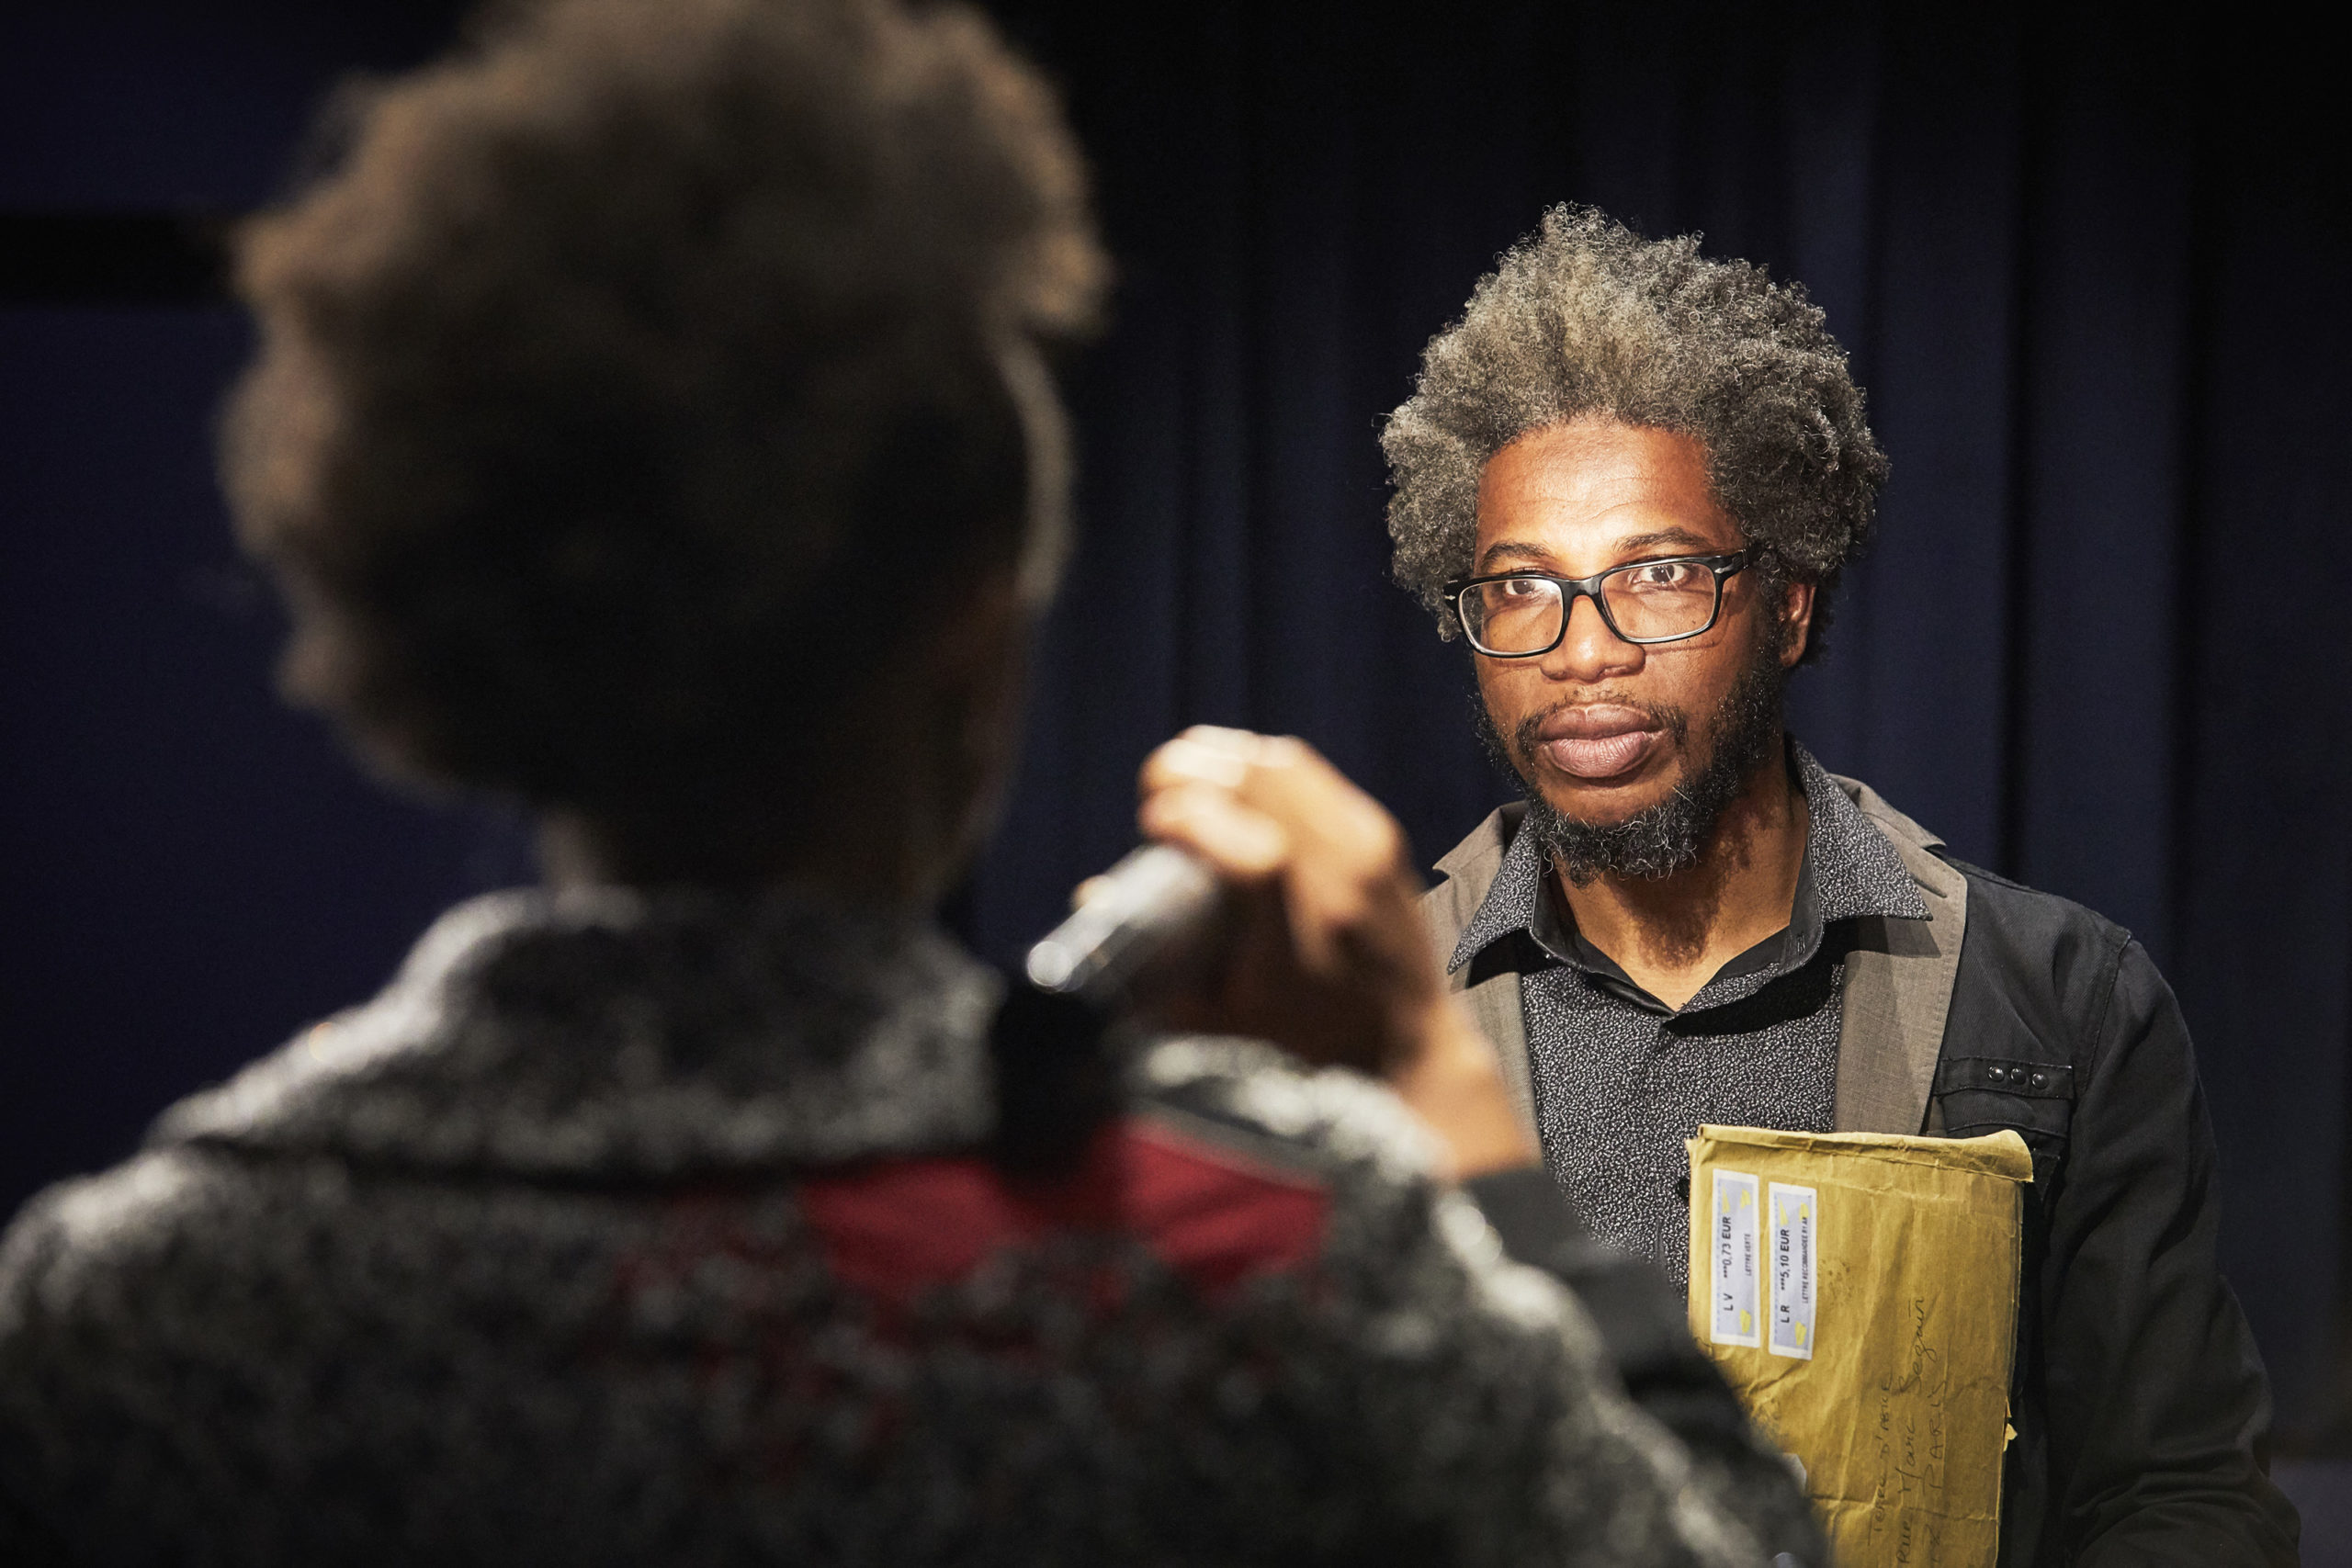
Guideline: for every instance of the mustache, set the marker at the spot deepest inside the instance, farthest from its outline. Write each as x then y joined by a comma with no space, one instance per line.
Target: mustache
1671,833
1528,733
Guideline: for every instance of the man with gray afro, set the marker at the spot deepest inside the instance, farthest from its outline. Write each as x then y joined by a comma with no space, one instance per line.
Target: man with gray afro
1629,478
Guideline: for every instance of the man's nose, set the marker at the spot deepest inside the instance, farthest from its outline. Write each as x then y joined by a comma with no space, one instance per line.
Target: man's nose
1590,652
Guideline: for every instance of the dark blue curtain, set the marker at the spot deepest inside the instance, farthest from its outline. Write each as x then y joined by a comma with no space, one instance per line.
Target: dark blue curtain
2092,279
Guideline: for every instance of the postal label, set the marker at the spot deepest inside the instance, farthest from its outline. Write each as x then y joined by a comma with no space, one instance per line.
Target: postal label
1795,1220
1737,1270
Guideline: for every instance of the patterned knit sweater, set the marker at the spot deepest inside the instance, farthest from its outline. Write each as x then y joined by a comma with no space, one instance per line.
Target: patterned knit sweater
639,1230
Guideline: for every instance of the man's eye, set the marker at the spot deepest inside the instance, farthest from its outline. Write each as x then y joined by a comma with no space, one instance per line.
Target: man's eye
1662,575
1524,588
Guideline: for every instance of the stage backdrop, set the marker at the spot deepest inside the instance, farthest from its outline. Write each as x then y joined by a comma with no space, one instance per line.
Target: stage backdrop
2095,285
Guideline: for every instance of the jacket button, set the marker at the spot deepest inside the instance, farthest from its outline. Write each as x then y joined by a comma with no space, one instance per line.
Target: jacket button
2040,1079
1997,1074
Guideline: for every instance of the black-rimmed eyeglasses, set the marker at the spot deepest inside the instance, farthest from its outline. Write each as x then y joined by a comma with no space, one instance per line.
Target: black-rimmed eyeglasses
1518,615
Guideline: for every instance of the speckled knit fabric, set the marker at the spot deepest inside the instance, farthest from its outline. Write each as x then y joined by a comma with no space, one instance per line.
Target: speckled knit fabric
620,1231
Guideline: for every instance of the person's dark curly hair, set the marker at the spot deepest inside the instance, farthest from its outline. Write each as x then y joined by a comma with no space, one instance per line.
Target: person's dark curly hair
616,347
1587,317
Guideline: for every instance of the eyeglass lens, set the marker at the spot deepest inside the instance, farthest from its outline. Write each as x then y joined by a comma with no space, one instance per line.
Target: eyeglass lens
1647,602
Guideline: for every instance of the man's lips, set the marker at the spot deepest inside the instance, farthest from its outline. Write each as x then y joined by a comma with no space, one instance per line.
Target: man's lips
1599,742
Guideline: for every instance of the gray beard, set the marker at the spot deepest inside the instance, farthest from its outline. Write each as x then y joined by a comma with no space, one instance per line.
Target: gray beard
1661,840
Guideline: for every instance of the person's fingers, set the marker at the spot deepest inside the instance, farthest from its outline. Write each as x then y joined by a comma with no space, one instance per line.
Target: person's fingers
1292,781
1200,755
1348,854
1242,743
1349,870
1273,809
1241,843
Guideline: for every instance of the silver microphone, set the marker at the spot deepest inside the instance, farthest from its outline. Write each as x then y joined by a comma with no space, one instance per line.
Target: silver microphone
1151,901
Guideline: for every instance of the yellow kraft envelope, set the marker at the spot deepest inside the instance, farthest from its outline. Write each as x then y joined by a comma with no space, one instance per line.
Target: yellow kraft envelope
1859,1290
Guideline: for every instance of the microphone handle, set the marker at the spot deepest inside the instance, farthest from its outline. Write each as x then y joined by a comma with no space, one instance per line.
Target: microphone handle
1151,901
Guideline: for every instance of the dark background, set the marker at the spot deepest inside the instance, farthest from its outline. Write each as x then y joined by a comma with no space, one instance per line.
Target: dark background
2092,276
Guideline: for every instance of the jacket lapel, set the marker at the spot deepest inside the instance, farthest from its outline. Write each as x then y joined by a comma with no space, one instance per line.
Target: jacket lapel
1898,986
1469,870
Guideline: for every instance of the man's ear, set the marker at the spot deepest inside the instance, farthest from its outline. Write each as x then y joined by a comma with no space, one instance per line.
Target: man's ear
1796,621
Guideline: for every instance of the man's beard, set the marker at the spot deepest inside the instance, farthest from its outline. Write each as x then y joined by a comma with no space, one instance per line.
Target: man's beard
1668,837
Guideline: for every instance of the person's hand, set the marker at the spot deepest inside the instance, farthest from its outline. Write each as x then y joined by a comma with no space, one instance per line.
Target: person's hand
1327,954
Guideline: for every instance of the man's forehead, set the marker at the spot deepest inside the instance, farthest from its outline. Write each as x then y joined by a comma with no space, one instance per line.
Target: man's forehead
1551,546
1597,488
1592,468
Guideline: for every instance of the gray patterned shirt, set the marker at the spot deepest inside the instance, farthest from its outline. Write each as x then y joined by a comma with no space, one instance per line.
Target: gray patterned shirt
1622,1080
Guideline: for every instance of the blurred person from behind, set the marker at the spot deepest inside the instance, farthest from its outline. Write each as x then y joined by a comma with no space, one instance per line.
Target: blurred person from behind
653,424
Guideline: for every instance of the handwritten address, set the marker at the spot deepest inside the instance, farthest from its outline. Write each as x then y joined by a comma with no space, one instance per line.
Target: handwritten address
1912,1443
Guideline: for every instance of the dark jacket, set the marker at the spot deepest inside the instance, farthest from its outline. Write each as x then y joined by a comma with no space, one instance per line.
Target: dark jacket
636,1231
2141,1403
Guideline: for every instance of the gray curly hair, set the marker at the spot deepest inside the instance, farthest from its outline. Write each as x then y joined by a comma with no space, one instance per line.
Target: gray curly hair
1586,317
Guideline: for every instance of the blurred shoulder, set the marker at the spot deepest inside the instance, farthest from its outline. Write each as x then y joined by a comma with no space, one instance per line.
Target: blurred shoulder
1254,1094
85,1243
98,1277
